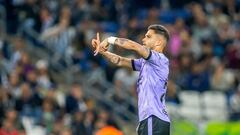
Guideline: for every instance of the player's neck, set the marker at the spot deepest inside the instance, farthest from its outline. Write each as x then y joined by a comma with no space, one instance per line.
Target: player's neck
158,49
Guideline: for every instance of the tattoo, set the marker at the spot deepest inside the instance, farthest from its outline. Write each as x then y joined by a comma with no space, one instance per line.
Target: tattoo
115,59
121,40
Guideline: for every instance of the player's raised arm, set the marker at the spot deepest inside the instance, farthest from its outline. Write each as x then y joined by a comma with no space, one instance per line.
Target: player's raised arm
113,58
131,45
126,44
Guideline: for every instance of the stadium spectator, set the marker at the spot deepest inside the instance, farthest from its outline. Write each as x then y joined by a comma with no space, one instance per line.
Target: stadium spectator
89,122
46,20
11,124
106,124
16,54
222,79
199,78
43,77
78,125
125,79
28,102
8,128
14,85
172,93
75,100
7,102
66,131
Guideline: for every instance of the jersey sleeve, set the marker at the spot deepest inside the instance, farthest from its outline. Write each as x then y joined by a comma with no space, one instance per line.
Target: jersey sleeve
136,64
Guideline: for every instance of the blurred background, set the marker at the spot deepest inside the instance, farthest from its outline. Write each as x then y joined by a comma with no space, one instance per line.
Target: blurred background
51,84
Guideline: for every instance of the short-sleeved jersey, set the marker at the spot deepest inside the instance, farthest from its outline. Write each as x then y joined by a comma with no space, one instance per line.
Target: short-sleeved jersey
152,85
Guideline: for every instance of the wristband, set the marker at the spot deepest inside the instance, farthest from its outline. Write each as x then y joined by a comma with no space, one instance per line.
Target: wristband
111,40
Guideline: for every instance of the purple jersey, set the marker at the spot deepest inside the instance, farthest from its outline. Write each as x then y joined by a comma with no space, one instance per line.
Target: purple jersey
152,85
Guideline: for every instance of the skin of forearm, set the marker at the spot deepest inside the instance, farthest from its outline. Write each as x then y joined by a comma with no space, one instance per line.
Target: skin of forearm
116,59
125,43
131,45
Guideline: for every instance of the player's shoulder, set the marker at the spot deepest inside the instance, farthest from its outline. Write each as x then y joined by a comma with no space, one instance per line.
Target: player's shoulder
161,56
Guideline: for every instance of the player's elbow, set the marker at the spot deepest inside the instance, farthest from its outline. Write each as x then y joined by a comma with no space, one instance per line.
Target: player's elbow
139,49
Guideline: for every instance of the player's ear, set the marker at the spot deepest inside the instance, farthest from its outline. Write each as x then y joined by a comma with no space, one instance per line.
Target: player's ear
161,40
158,42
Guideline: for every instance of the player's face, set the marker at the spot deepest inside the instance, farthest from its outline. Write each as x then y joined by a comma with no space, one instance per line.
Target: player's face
151,39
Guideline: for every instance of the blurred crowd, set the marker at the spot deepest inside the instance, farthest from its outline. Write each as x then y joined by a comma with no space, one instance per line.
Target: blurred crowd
204,53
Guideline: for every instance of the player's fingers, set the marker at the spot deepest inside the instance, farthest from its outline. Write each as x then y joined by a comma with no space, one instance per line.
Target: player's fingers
97,49
106,47
98,45
94,43
95,52
98,37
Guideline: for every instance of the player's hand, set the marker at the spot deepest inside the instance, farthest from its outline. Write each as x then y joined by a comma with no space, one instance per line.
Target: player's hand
99,47
104,44
94,43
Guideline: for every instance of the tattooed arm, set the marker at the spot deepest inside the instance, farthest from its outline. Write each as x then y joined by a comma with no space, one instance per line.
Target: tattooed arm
122,42
131,45
117,60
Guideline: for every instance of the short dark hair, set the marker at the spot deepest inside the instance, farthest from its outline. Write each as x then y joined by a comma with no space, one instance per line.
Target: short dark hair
160,29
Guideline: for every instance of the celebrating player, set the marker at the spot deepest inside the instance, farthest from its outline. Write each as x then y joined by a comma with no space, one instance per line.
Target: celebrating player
153,77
